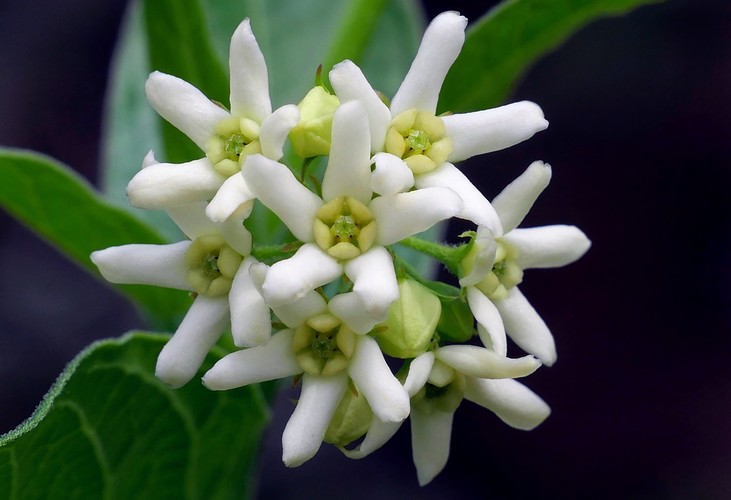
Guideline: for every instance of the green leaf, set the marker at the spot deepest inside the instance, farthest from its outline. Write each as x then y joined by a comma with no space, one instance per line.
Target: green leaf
109,429
64,210
502,44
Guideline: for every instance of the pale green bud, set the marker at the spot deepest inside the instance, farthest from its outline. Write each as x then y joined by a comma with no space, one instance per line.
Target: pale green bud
411,321
311,136
351,419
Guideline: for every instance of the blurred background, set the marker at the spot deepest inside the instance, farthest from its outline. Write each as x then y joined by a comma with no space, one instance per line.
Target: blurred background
640,145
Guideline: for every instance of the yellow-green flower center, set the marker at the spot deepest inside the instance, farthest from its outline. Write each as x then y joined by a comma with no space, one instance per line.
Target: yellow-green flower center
212,265
505,274
323,345
234,139
420,138
344,228
443,391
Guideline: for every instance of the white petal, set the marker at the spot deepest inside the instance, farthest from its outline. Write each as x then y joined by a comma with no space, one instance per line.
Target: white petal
374,280
306,428
511,401
350,84
275,129
184,106
476,207
149,159
494,129
249,79
487,315
159,265
439,48
419,370
250,319
192,220
276,186
486,247
378,434
391,175
233,231
430,437
272,361
231,195
373,378
351,311
483,363
526,327
516,200
405,214
166,185
291,279
348,171
548,246
181,357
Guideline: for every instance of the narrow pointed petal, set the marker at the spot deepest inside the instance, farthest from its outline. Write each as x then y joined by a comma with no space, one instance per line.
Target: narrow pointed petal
351,311
167,185
276,186
272,361
184,106
493,129
251,322
486,247
373,378
430,438
378,434
419,373
391,175
233,231
511,401
249,78
291,279
440,46
159,265
306,428
479,362
548,246
374,280
192,220
476,207
350,84
526,327
231,195
274,131
181,357
487,315
405,214
516,200
348,171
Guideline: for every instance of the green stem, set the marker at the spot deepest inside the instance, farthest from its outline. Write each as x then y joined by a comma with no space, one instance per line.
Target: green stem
272,253
450,256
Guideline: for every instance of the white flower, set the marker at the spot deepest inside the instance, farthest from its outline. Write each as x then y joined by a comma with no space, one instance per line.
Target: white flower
346,230
428,144
496,266
214,263
437,382
321,346
226,137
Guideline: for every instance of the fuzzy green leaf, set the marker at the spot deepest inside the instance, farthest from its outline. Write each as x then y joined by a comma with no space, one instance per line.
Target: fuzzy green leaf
109,429
64,210
507,40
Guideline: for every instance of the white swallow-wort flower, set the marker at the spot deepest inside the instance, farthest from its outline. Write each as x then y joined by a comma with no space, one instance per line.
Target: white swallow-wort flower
321,346
214,263
429,145
437,382
345,230
226,138
495,267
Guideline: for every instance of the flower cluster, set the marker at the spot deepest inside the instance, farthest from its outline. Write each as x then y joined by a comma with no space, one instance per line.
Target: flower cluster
332,305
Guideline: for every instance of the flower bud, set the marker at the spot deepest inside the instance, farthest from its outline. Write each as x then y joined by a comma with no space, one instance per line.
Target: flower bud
411,321
311,136
351,419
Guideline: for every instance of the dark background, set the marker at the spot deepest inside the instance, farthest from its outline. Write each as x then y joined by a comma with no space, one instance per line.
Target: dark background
640,144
